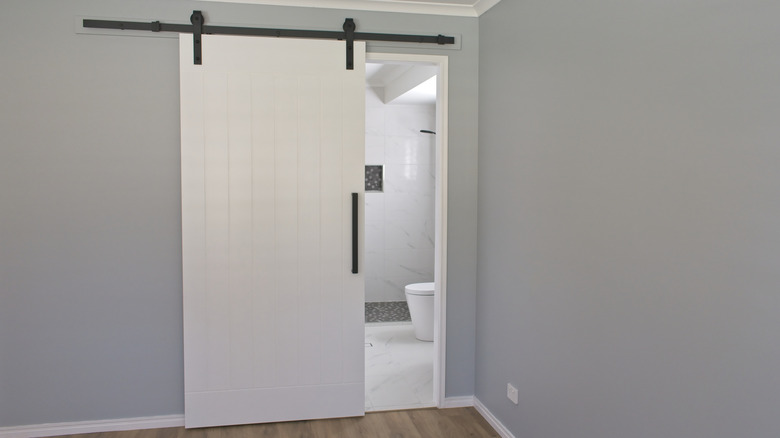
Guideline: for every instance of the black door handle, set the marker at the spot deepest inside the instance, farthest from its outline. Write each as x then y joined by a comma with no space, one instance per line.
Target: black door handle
354,233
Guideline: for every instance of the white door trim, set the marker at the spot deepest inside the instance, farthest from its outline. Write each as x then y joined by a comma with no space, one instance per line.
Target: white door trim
440,247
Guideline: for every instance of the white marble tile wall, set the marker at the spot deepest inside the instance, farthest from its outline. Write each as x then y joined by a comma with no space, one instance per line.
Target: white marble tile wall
399,221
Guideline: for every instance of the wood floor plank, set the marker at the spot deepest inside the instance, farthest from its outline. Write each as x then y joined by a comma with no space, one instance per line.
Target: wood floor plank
373,424
424,423
473,424
401,425
340,427
417,423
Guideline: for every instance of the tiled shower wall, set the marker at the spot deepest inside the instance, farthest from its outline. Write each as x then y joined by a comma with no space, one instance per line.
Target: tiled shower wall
399,221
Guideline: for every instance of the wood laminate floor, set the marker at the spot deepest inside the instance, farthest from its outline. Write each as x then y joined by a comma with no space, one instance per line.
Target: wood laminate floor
417,423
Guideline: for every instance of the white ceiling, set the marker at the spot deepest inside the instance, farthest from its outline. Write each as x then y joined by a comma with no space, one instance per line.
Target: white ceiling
463,8
402,83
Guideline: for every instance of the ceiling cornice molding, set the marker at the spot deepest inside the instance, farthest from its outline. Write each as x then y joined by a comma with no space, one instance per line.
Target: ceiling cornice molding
483,5
401,6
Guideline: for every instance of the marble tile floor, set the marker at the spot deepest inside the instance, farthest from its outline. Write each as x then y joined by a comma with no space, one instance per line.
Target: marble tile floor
399,368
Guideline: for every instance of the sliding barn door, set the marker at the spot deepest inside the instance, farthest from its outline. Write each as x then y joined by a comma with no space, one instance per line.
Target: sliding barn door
272,149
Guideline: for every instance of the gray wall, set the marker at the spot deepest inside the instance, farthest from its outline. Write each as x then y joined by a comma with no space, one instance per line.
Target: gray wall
90,259
629,218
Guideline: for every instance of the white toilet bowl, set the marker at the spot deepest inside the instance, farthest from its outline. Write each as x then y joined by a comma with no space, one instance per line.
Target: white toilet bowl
419,297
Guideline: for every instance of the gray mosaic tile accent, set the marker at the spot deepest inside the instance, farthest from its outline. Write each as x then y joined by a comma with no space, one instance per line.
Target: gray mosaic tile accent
389,311
374,178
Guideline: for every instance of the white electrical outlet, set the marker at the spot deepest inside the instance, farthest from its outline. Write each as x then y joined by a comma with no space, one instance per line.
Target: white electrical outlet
511,393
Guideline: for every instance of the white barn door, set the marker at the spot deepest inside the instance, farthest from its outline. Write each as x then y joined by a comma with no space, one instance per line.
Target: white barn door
272,148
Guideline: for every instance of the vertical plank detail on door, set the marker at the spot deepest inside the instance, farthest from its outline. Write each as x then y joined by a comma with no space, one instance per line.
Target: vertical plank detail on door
309,275
332,210
264,229
272,147
287,239
353,291
217,230
240,215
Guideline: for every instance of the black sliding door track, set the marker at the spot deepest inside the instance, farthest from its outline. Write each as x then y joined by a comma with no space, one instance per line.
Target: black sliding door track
198,28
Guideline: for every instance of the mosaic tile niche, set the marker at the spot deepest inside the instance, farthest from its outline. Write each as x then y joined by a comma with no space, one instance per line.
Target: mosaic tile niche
374,178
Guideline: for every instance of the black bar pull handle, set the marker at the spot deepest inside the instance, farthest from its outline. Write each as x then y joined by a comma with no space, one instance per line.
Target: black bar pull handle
354,233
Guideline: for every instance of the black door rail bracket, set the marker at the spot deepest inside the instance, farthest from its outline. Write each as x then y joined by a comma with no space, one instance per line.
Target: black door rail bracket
197,31
349,33
199,28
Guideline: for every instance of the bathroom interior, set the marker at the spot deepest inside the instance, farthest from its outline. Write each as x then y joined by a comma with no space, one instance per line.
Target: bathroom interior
399,236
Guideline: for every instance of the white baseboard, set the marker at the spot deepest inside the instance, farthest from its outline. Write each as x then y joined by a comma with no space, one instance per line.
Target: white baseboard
54,429
458,402
497,425
158,422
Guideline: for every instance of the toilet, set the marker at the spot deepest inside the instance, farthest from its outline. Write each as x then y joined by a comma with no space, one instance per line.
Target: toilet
419,297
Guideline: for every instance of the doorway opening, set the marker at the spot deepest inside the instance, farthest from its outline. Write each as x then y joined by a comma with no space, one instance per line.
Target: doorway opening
405,230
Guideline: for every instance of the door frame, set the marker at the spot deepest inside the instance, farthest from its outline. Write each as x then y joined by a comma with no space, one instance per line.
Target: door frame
440,211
